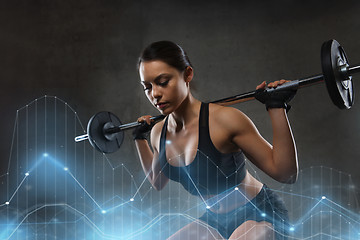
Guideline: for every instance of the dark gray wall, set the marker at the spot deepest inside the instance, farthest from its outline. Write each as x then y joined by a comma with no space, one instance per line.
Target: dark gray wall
85,52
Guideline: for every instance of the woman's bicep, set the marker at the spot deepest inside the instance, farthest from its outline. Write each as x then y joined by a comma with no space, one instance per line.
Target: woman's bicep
159,180
255,147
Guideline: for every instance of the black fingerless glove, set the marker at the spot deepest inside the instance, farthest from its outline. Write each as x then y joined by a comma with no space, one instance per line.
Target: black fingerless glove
142,131
275,99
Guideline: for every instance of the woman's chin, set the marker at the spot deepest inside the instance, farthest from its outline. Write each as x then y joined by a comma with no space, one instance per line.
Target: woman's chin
165,111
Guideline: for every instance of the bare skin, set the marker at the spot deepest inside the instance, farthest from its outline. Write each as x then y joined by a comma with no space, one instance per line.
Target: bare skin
230,131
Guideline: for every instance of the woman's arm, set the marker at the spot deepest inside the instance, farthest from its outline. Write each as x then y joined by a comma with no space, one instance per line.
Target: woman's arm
279,160
284,153
150,160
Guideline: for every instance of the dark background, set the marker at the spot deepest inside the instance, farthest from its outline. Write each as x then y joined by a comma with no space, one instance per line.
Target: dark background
85,52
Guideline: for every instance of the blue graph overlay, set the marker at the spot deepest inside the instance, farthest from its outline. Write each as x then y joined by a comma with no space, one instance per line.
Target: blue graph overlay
55,188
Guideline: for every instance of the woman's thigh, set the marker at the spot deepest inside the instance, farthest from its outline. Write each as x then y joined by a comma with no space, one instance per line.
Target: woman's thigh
196,230
252,230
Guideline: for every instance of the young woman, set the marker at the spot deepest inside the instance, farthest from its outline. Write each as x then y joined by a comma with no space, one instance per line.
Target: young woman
202,146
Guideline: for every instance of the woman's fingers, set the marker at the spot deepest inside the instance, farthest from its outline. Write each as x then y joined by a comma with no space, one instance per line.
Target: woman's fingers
277,83
261,85
145,118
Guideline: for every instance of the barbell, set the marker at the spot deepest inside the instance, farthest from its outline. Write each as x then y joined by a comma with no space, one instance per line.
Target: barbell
106,133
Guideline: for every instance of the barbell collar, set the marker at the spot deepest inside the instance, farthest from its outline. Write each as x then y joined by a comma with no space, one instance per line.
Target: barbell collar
111,129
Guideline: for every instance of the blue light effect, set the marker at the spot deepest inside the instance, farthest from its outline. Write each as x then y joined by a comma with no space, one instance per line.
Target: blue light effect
73,192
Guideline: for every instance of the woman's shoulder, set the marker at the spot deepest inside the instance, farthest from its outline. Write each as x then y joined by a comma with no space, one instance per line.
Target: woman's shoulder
157,128
224,112
228,117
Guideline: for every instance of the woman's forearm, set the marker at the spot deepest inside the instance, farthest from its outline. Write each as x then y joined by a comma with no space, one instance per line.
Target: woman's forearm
284,149
146,157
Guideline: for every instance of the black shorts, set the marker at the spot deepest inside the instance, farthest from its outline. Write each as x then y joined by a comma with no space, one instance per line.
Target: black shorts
266,206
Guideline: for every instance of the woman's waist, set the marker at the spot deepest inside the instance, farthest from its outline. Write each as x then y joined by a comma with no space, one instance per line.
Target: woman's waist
228,200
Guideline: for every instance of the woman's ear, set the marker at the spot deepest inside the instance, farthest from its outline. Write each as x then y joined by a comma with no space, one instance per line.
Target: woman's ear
188,74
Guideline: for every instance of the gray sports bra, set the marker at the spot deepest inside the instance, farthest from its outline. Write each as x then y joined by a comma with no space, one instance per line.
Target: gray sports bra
211,172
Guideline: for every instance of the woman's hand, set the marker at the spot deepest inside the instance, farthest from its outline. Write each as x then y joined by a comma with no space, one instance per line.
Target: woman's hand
141,131
146,119
272,84
275,99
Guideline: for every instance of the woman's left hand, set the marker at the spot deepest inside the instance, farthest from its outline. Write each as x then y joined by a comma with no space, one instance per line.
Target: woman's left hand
274,99
271,84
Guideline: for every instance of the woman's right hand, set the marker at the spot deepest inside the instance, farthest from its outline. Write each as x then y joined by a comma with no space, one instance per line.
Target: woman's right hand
141,131
146,119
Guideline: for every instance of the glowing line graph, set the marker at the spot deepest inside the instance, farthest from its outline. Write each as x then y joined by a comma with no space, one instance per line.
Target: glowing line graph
138,189
153,221
57,164
335,208
46,156
17,189
146,227
62,205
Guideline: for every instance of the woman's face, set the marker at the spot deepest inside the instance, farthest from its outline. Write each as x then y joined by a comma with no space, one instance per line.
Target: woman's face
164,85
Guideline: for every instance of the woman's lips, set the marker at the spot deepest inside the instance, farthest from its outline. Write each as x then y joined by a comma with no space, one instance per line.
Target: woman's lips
161,105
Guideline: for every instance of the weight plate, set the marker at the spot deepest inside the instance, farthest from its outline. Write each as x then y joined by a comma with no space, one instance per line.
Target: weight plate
97,138
338,83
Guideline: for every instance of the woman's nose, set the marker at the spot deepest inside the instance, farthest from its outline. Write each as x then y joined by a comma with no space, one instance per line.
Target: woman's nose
156,92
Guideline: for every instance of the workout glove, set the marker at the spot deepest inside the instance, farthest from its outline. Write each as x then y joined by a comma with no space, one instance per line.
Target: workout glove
275,99
142,131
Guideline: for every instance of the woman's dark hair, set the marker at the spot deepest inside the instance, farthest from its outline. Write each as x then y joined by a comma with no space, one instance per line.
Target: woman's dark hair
168,52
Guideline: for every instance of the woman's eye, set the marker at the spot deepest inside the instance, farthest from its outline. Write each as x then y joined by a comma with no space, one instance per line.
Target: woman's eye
164,83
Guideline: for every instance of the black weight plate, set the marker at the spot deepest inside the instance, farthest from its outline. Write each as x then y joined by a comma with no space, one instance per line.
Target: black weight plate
96,134
340,86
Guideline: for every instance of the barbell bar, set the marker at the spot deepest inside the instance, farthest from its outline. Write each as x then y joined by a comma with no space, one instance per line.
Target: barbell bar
105,131
337,75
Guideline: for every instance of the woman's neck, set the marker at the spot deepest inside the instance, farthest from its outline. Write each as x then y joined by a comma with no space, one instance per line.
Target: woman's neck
185,114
